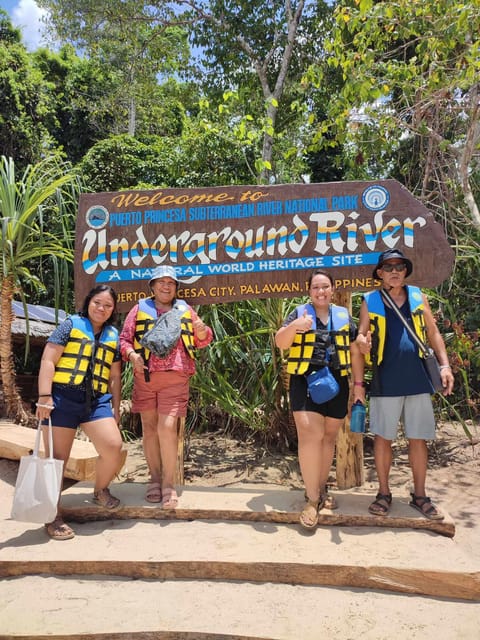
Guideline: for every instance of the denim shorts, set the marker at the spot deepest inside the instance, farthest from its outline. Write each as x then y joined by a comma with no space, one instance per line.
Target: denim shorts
71,410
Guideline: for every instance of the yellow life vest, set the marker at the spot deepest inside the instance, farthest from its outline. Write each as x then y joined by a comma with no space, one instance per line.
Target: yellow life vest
376,312
146,316
301,351
81,350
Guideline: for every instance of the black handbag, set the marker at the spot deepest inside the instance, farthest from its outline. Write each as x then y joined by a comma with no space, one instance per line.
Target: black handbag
429,358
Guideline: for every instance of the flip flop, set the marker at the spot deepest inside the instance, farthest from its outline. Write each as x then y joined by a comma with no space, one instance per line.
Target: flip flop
59,530
426,507
169,499
154,492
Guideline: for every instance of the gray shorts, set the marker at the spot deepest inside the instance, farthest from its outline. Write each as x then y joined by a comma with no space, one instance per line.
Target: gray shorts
415,412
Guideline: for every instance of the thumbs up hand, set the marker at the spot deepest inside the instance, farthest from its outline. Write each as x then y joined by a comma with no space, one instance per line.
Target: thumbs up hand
304,323
364,342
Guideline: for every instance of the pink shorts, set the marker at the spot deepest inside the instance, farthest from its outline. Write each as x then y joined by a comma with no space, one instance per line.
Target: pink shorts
167,392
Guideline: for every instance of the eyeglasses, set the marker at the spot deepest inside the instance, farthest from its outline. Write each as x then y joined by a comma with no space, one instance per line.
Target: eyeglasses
393,267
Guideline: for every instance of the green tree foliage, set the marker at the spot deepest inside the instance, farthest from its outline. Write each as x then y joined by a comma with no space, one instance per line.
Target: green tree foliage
260,50
82,97
240,380
23,100
29,203
133,40
411,72
409,108
123,162
254,49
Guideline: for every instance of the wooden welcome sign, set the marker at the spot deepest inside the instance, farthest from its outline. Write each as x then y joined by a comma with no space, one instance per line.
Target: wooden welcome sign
241,242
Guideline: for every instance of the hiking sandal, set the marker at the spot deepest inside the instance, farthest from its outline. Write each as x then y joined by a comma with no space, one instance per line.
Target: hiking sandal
381,505
426,507
305,517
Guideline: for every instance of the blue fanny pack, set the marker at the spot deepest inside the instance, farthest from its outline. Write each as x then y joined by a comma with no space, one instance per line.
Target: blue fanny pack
322,386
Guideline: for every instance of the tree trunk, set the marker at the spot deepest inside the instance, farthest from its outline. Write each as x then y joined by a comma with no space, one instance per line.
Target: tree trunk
11,395
349,459
132,116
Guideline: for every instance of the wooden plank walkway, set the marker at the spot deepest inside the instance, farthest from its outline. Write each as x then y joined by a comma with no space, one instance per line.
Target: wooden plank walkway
17,441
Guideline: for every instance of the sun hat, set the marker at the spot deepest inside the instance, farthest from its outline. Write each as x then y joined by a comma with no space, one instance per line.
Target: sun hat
163,271
391,254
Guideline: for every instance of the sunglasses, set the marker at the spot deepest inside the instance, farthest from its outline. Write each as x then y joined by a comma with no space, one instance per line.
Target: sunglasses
393,267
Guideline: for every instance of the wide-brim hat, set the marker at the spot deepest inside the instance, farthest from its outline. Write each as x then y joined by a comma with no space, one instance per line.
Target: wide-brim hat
391,254
163,271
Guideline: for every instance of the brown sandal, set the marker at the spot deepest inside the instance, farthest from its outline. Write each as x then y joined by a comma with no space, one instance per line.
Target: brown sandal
58,530
309,519
104,498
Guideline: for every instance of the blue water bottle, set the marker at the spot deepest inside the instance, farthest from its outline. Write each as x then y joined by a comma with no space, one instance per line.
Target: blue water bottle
357,420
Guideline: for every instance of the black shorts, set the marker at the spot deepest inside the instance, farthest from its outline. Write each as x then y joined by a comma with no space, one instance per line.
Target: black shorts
337,407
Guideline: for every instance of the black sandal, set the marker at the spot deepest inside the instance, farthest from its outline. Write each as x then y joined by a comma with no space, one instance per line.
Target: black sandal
426,507
381,505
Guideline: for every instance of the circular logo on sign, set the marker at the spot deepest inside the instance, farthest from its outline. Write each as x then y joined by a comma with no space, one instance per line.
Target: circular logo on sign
375,198
97,217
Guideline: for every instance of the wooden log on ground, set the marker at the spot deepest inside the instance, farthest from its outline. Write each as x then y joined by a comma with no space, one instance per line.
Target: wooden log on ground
440,584
17,441
94,513
136,635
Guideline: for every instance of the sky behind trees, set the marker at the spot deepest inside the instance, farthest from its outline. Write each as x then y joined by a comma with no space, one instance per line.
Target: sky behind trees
26,15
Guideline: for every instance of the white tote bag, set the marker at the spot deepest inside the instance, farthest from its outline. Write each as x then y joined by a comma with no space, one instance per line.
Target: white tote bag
38,484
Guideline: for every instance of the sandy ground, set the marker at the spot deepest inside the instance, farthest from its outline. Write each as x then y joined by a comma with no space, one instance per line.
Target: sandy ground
53,605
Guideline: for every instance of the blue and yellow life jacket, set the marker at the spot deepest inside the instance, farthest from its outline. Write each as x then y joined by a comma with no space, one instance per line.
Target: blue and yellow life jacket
376,312
146,316
81,350
301,351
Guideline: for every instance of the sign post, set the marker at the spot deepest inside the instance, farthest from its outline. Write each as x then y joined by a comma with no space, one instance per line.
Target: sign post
242,242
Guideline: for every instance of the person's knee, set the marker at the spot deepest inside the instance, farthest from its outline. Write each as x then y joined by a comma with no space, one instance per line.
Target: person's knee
149,424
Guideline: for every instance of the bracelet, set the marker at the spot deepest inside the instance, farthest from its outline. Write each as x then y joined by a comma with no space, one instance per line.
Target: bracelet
44,406
44,395
444,366
130,353
359,384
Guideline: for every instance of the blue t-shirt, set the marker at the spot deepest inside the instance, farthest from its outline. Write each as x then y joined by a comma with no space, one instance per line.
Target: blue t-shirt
401,372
